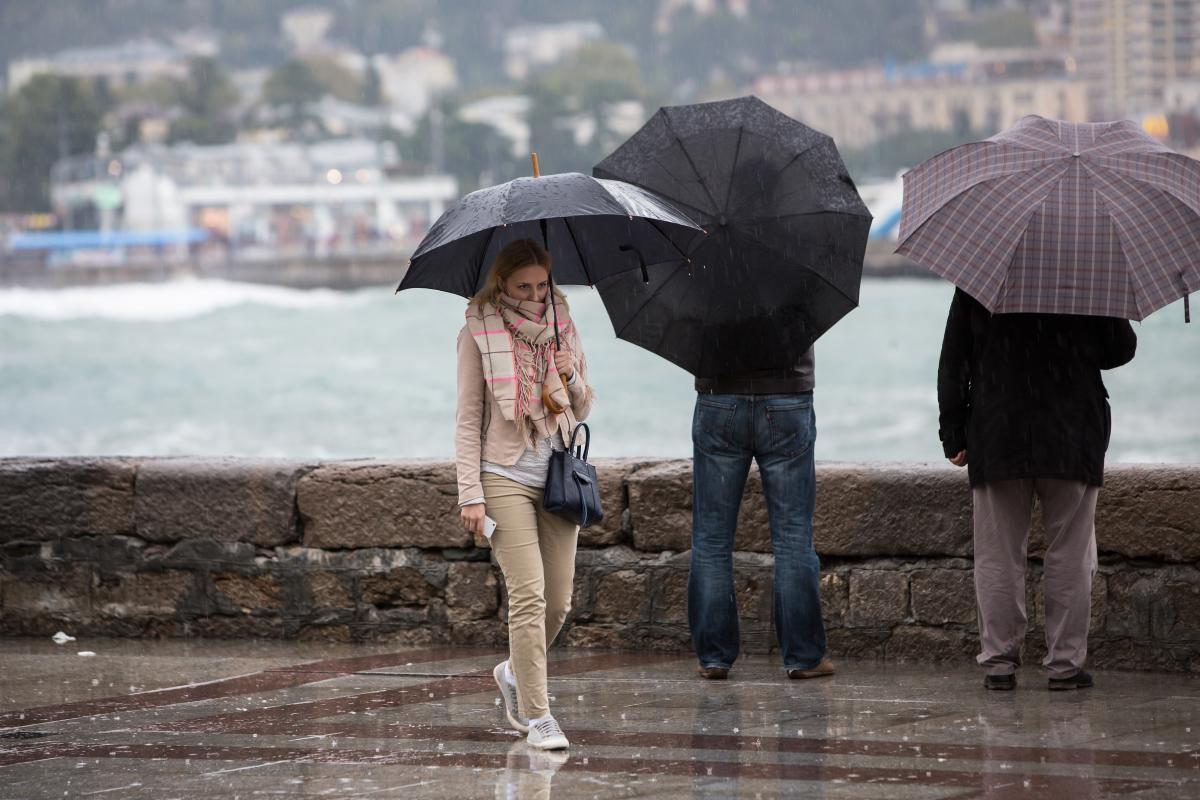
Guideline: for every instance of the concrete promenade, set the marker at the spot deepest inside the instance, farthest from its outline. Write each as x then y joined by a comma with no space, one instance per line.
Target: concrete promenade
196,719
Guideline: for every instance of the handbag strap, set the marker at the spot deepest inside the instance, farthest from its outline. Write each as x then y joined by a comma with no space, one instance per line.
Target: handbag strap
587,440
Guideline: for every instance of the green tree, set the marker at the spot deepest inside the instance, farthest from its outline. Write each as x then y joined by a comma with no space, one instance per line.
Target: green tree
207,98
336,79
50,118
293,84
580,89
477,155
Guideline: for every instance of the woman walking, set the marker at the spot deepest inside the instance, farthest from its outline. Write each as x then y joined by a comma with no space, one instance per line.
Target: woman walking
513,410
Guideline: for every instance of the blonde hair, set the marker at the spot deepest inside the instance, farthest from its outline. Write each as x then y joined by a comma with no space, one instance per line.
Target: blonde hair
513,256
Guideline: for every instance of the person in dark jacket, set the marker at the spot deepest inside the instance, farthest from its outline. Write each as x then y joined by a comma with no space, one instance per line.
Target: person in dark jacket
766,417
1023,406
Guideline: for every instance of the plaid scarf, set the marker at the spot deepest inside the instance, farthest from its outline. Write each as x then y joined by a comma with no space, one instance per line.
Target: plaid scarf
516,343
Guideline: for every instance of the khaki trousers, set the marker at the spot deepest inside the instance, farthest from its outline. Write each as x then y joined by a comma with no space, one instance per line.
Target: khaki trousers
536,553
1002,512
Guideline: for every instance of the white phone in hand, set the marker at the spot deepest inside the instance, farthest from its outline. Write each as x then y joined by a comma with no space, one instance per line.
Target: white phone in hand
489,527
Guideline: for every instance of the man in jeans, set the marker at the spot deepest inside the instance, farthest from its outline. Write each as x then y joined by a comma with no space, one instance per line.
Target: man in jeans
768,417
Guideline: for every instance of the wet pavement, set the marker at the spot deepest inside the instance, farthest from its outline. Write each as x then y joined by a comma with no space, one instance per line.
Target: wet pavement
197,719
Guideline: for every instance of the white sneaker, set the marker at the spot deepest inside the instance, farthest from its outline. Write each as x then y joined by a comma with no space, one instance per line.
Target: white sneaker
508,693
544,734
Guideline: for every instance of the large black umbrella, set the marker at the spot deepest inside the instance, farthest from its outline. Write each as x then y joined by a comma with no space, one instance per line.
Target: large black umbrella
593,228
782,259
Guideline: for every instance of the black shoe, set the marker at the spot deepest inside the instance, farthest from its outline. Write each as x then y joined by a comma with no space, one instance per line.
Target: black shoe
1001,683
713,673
1080,680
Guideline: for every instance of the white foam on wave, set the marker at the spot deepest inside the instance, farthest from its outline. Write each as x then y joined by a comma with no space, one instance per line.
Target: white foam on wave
132,302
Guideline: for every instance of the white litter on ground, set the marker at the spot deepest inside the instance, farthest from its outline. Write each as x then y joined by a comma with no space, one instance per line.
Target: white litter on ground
62,638
85,653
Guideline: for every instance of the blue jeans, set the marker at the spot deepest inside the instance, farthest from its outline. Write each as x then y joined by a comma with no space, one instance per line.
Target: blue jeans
777,431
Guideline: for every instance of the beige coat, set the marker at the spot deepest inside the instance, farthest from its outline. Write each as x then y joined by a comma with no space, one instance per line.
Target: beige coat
481,432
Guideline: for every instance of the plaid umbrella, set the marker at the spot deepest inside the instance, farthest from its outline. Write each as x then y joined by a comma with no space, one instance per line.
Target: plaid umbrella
1059,217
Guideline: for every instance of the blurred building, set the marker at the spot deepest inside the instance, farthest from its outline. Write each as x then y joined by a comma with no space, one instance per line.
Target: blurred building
305,28
1129,50
963,89
412,79
132,62
252,199
529,46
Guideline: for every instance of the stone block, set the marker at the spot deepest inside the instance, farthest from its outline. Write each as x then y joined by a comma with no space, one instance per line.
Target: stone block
49,498
1132,596
226,499
381,504
943,596
918,643
483,632
236,627
146,594
835,598
890,509
660,506
612,473
581,597
203,554
753,589
1150,511
250,592
328,590
471,591
401,586
670,597
595,636
856,642
324,633
66,594
878,598
620,597
1176,618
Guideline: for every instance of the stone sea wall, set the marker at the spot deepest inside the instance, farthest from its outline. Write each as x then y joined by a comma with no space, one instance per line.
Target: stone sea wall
372,551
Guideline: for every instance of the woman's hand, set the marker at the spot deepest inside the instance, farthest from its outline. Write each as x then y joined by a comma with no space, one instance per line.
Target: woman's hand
959,460
472,518
564,362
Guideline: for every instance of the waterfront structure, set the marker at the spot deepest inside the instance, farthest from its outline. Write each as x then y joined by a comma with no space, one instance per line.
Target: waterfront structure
336,196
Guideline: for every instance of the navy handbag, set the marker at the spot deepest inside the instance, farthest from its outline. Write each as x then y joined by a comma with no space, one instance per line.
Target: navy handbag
572,490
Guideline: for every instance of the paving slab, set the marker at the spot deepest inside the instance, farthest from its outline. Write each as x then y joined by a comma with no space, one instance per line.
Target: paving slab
188,719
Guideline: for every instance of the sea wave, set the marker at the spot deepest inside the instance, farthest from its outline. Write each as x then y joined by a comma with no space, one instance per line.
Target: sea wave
157,302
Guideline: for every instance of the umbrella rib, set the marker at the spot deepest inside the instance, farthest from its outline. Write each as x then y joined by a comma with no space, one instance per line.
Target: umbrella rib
483,252
648,301
654,224
737,154
781,170
805,267
582,259
691,163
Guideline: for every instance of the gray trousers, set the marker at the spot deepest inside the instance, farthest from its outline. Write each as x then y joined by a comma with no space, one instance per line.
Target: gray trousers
1002,512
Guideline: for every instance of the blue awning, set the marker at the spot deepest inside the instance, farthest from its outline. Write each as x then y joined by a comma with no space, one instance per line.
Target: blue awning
78,240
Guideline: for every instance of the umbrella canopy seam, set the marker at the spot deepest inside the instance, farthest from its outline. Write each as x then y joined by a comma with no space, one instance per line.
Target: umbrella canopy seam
688,156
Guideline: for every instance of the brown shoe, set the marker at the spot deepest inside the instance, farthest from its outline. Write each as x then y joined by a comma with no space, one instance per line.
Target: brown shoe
819,671
713,673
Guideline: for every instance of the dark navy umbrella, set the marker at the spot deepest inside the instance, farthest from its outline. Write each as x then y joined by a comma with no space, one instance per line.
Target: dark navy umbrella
786,233
592,228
